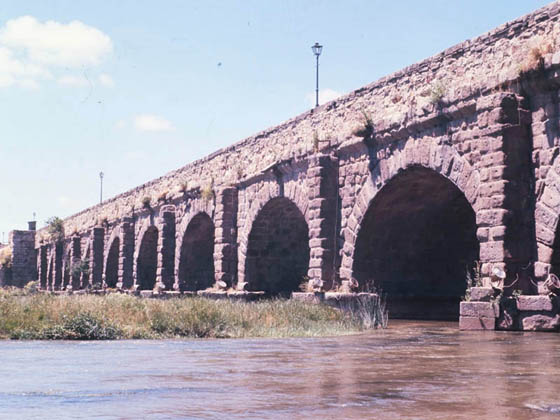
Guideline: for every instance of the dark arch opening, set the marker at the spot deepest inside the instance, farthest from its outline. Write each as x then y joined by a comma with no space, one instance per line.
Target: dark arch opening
278,249
146,265
84,272
555,258
418,244
112,266
67,270
196,263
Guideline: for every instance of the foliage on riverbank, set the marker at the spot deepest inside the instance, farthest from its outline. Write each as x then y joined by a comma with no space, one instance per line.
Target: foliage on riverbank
28,315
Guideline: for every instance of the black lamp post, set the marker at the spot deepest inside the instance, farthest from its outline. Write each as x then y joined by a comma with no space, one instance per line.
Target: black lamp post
317,48
101,174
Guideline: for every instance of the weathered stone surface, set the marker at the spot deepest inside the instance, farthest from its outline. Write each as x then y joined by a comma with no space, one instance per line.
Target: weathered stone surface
475,323
479,309
308,297
481,294
545,321
534,303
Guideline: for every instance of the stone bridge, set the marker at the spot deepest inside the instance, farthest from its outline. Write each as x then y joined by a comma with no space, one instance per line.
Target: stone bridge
437,173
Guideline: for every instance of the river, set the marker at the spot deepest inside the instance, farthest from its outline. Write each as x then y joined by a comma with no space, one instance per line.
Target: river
413,370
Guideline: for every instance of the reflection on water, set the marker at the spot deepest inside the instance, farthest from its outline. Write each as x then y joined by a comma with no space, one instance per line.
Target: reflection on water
413,370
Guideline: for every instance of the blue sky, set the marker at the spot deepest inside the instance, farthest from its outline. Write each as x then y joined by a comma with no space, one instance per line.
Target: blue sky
138,88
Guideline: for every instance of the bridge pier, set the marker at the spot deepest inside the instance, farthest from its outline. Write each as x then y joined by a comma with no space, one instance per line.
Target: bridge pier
225,236
322,183
165,277
126,257
97,251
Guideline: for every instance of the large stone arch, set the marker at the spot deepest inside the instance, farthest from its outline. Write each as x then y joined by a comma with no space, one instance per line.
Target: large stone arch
111,258
547,214
253,199
277,257
444,177
146,257
195,267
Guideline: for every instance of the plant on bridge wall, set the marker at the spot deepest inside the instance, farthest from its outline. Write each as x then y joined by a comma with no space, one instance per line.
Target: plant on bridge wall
162,198
147,202
437,92
184,187
207,192
534,59
240,173
55,229
315,142
366,130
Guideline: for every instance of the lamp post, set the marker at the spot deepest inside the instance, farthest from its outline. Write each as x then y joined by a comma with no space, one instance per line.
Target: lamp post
101,174
317,48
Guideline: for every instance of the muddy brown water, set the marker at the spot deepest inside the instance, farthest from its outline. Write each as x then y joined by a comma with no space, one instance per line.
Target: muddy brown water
413,370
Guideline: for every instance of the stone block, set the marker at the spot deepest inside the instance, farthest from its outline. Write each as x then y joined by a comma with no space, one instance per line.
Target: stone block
534,303
481,294
308,297
546,321
473,323
479,309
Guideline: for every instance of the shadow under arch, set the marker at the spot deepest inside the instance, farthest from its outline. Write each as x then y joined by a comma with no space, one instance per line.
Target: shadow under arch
418,243
112,264
277,258
196,259
146,263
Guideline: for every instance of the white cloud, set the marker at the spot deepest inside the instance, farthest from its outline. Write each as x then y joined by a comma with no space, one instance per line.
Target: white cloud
33,51
70,80
74,44
325,95
106,80
149,122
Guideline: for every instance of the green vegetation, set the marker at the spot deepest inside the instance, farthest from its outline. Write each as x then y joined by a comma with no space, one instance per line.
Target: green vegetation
79,268
207,192
147,202
25,314
6,257
55,229
366,130
437,92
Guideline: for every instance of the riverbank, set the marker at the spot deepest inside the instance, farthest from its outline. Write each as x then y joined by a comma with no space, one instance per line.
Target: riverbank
25,315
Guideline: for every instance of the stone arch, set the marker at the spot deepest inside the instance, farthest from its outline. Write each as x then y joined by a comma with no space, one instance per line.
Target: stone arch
255,197
277,257
442,180
195,270
547,228
86,272
112,263
147,259
111,258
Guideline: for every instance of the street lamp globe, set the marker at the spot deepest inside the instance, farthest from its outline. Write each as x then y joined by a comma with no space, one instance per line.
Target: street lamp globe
317,48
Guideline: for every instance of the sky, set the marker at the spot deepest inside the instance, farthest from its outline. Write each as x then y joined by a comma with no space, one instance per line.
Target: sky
139,88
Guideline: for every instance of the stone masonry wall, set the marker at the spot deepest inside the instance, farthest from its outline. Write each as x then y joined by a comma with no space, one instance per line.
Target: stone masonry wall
467,70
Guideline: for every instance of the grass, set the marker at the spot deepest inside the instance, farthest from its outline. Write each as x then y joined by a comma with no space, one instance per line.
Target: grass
28,315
